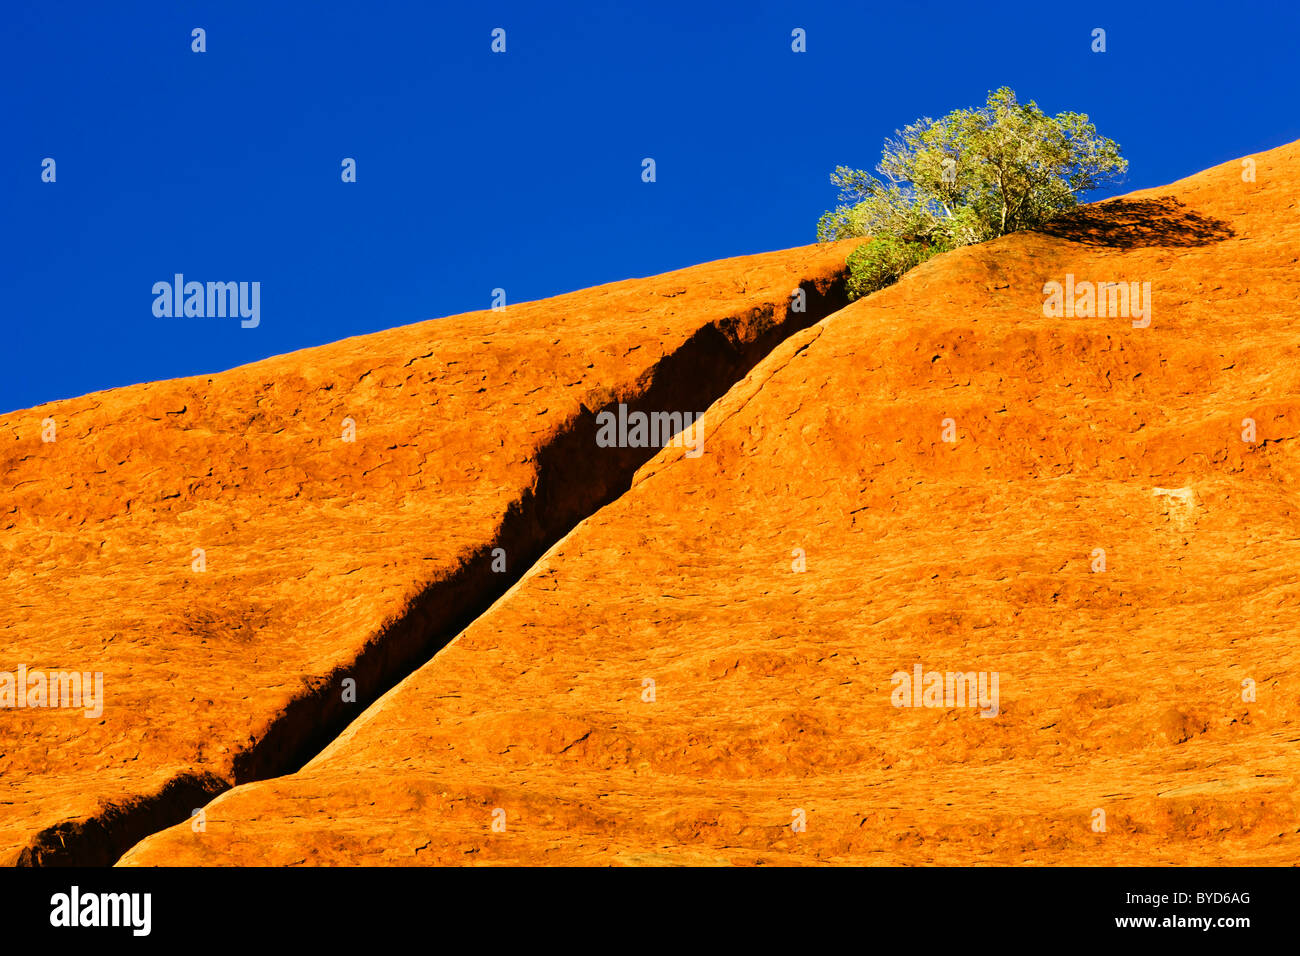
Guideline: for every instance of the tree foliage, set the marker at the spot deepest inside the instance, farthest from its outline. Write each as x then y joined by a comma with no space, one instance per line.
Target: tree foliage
970,176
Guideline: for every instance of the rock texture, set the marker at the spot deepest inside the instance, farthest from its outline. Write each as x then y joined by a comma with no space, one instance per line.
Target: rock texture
322,559
1148,708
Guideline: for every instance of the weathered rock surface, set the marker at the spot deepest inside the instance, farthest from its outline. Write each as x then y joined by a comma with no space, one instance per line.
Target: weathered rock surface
1123,692
325,559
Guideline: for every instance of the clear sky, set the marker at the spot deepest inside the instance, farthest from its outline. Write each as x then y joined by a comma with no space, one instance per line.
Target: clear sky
519,170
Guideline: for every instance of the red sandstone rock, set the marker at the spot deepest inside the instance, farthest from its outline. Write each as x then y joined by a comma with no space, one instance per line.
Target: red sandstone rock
1121,690
325,559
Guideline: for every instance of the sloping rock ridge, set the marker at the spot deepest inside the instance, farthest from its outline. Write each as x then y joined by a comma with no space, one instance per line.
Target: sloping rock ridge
1090,519
248,559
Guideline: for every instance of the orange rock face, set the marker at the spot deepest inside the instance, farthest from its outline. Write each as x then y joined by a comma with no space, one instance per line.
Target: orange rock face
250,558
1096,511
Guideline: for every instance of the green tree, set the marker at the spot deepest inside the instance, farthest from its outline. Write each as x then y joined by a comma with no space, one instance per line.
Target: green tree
972,175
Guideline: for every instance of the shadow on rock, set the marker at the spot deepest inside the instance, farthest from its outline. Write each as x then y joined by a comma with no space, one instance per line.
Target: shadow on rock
1134,223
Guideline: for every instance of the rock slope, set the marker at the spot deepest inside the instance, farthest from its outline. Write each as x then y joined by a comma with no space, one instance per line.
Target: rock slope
229,550
1102,515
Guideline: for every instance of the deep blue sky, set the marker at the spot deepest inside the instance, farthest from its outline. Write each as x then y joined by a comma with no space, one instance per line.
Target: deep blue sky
519,170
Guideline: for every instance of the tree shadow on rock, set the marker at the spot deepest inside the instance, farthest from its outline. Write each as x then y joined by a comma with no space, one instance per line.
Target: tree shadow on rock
1134,223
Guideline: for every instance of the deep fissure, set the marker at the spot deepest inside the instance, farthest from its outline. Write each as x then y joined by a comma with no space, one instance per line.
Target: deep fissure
574,479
